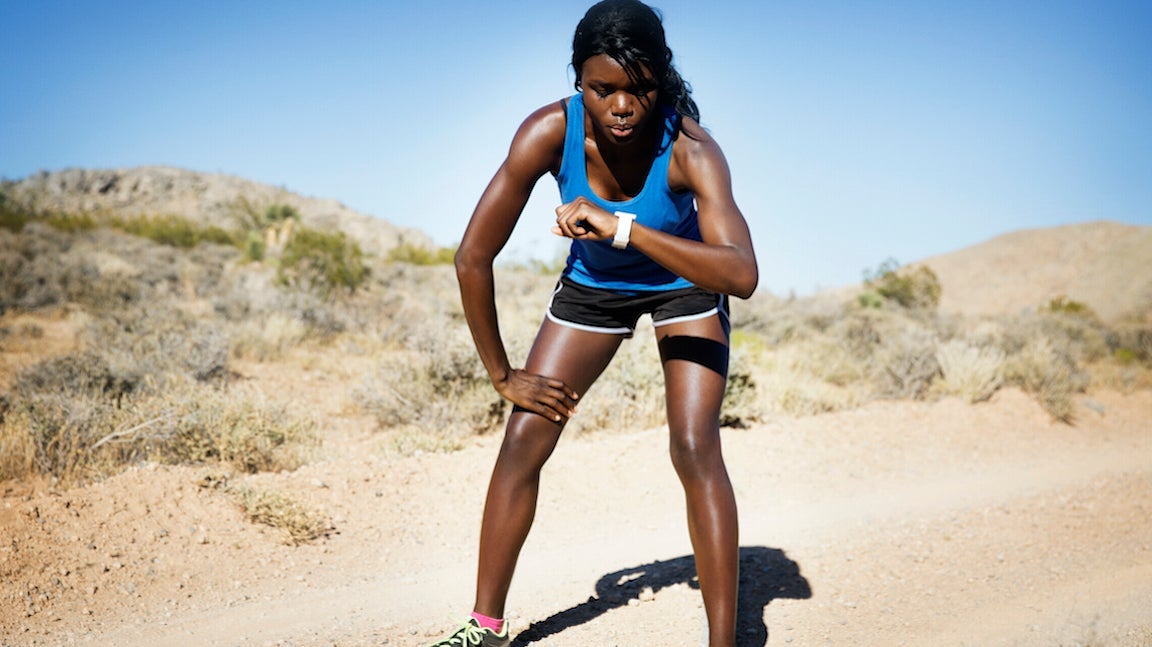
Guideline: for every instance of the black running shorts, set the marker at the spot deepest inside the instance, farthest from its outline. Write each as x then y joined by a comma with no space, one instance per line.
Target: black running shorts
605,311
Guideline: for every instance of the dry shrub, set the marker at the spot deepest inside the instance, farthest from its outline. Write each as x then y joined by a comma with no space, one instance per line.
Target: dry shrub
297,522
907,287
88,429
438,386
1131,342
153,343
787,385
267,337
1042,369
906,364
1122,376
34,262
780,322
150,386
765,380
237,426
968,372
326,263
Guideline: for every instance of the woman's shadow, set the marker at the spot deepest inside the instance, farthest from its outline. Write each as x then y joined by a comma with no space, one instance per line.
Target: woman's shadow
765,575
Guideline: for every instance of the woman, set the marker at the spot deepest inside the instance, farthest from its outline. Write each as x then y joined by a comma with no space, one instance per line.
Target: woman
648,205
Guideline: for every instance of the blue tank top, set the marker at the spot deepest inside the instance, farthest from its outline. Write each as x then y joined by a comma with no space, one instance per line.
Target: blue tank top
598,264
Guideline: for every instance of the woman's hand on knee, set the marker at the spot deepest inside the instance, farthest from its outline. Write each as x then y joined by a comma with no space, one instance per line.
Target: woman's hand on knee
545,396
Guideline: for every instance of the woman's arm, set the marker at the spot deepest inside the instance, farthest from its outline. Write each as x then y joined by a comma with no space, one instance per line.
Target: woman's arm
724,261
536,149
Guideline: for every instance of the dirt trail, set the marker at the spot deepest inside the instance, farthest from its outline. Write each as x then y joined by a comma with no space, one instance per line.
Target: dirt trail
898,523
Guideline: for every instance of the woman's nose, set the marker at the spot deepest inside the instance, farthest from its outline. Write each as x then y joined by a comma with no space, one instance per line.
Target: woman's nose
621,105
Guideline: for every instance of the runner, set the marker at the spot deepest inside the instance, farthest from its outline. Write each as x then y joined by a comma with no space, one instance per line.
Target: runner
647,203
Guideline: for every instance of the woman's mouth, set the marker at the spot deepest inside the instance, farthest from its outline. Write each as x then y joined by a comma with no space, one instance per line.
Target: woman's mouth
621,130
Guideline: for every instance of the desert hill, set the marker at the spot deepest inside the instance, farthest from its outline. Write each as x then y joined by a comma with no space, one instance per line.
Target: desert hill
1106,265
208,197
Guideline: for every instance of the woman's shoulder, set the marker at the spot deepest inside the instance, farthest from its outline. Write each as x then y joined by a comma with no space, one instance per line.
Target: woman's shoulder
540,138
694,138
692,152
547,122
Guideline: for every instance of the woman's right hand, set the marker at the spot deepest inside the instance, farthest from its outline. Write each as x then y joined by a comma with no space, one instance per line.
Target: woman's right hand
545,396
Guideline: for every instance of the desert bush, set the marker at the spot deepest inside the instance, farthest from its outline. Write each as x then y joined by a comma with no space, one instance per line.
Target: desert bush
789,379
1131,342
152,385
13,217
781,322
62,419
268,230
1041,368
266,318
160,343
280,213
175,231
1125,377
72,222
910,287
969,372
267,337
437,384
418,255
34,260
1064,305
1085,336
53,411
890,353
298,522
845,353
326,263
101,270
906,364
236,426
785,385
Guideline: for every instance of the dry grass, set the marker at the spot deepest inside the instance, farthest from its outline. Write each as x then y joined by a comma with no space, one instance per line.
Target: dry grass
297,522
968,372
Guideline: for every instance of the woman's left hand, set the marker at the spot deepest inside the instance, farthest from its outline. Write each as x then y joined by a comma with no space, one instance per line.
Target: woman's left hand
582,219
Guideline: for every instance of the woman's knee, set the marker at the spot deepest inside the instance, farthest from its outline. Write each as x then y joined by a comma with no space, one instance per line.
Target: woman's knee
696,454
529,440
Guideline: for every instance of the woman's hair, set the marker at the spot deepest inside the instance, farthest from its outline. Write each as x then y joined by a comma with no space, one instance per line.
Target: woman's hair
631,33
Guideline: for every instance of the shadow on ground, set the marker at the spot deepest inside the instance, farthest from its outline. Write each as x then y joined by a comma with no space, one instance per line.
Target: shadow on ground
766,574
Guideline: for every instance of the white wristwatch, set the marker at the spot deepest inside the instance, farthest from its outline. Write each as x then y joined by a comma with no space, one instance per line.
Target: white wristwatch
623,229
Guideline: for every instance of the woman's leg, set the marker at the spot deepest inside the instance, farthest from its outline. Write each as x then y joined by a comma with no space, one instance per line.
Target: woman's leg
577,358
695,359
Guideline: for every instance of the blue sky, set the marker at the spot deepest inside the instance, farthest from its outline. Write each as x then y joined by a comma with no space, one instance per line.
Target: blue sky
856,131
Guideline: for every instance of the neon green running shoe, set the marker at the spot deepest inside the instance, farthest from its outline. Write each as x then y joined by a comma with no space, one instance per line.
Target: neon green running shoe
472,635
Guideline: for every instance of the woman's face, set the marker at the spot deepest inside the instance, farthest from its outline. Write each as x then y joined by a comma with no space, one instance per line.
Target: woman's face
620,107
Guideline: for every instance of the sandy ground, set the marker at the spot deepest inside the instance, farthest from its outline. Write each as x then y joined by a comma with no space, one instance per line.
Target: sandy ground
899,523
